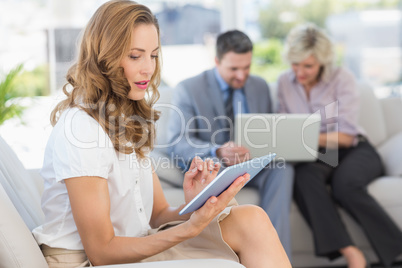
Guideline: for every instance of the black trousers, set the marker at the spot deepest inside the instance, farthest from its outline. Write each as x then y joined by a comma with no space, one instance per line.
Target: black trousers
358,166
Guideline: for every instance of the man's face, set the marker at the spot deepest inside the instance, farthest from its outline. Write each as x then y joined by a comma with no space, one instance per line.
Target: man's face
234,68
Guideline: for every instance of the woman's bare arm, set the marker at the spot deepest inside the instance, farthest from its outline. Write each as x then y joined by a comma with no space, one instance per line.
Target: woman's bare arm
90,204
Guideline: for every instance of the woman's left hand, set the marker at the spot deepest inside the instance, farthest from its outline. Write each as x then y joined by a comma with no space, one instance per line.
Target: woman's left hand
199,175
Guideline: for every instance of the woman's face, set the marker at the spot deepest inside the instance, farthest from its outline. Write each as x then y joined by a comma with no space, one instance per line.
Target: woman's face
307,71
140,62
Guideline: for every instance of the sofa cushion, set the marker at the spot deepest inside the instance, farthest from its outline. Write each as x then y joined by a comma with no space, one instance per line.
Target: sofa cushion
392,109
391,154
167,168
165,107
387,191
18,247
371,115
20,187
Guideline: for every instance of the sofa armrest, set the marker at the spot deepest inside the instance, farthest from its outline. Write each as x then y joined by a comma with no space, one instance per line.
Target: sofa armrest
18,247
392,109
37,178
391,154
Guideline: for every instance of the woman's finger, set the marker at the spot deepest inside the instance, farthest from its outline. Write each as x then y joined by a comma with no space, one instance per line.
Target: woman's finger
217,167
199,162
212,174
204,173
193,163
210,163
193,166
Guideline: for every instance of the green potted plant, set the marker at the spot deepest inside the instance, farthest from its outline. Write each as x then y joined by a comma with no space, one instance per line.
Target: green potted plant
8,107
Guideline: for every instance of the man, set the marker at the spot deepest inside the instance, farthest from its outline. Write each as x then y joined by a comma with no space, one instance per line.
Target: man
203,126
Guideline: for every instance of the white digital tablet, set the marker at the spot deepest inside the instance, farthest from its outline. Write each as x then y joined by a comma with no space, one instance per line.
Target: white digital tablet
225,179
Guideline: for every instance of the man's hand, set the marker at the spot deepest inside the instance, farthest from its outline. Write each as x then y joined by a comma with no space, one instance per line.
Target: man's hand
231,154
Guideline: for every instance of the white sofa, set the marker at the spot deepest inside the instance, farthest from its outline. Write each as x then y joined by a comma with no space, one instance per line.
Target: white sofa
382,120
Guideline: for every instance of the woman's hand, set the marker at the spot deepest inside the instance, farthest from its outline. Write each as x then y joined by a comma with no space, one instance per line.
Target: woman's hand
200,218
334,140
199,175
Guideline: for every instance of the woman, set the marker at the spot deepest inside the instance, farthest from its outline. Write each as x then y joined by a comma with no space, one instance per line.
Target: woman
101,196
347,161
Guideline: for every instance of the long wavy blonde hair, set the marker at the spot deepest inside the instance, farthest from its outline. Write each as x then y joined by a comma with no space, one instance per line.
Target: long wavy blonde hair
99,86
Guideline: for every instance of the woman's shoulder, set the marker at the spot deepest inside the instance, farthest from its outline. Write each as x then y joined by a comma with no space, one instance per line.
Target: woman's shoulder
78,124
76,116
342,73
286,80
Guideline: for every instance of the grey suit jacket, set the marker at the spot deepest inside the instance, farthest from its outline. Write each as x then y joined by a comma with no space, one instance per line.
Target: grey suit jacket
197,121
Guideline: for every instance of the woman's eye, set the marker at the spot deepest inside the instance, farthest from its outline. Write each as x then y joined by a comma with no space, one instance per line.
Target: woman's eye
154,56
133,57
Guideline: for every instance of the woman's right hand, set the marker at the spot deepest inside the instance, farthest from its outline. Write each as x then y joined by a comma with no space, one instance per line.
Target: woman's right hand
215,205
199,175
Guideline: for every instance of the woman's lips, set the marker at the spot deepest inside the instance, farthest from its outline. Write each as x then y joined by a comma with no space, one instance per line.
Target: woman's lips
142,84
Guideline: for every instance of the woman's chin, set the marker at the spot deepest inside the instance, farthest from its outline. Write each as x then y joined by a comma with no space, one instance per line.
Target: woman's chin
136,96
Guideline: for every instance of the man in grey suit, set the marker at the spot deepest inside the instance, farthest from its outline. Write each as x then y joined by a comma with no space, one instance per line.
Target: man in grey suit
203,123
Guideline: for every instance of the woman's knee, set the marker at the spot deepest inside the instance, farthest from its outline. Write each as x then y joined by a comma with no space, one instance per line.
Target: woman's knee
245,223
251,218
345,187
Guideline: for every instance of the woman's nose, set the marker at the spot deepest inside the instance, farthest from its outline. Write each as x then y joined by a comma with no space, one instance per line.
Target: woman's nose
148,67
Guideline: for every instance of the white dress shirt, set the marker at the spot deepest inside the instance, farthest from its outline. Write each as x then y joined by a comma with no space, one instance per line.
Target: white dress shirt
77,147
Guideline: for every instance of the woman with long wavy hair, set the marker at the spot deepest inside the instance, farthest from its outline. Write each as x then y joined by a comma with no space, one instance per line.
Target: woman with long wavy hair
103,202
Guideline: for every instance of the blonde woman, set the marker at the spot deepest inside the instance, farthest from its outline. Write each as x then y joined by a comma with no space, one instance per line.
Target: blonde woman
101,196
349,162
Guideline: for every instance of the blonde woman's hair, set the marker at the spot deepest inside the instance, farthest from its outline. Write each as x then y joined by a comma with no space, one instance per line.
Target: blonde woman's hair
99,86
307,39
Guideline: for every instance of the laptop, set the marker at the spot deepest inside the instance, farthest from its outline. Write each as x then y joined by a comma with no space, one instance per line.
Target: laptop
292,137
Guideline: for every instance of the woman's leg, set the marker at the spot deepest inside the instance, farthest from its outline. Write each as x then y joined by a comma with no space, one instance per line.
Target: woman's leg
357,169
249,232
318,208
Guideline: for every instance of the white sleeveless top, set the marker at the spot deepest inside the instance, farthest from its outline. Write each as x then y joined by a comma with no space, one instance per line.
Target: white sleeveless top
78,146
